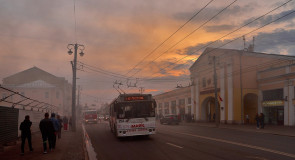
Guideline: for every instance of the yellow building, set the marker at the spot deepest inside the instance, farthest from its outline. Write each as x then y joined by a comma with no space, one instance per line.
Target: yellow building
247,83
177,101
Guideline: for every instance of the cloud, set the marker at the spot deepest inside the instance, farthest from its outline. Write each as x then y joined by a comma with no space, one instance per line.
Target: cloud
275,42
269,18
209,12
219,28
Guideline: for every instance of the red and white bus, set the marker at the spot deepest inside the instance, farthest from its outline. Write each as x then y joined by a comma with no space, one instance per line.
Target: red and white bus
90,116
133,114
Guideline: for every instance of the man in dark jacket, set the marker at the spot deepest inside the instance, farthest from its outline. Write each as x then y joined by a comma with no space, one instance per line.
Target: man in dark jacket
56,126
47,130
25,128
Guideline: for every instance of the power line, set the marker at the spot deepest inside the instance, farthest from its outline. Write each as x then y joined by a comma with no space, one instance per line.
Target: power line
169,37
235,38
100,70
190,34
236,30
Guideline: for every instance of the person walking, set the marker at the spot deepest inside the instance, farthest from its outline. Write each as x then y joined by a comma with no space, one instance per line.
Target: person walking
60,126
56,128
261,119
47,131
247,119
25,128
257,120
66,123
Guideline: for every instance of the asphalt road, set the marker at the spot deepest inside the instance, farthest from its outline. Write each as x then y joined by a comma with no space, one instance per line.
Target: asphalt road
182,142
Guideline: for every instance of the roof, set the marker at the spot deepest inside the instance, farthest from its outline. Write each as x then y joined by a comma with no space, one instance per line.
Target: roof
174,92
31,75
214,51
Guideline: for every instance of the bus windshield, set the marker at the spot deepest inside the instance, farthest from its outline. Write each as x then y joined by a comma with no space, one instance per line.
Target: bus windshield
135,110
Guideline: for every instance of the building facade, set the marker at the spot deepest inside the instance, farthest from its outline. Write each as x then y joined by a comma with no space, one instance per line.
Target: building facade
176,102
248,83
42,86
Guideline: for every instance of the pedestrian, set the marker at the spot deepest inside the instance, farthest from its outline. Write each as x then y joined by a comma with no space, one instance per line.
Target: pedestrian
56,128
214,117
257,120
247,119
261,119
60,126
25,128
47,131
65,122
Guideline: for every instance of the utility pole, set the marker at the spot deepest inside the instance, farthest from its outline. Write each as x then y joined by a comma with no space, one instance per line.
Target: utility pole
78,99
141,90
241,86
217,115
74,68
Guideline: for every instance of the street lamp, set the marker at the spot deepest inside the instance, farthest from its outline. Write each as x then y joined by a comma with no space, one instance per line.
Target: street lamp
74,68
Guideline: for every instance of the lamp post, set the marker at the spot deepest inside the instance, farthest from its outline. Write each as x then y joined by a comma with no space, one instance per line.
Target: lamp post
74,67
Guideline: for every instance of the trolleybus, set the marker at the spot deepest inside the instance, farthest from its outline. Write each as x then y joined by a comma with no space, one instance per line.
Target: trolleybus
132,115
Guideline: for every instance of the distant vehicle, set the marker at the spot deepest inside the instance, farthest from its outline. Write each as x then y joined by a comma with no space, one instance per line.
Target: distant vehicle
106,117
133,114
100,117
169,119
90,116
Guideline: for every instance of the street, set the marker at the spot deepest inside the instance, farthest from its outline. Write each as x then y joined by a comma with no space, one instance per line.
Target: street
190,142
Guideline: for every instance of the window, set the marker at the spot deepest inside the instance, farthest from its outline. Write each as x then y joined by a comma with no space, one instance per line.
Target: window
276,94
173,107
160,105
46,95
204,82
189,100
166,107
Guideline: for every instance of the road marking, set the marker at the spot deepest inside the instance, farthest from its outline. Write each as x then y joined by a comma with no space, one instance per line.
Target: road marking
174,145
240,144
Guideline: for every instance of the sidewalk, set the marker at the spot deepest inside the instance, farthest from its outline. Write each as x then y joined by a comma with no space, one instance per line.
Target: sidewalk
70,146
268,129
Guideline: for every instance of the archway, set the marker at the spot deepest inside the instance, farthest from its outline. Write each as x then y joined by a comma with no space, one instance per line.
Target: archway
250,107
208,109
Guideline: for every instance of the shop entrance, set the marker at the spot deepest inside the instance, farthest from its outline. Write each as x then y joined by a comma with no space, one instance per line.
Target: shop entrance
250,107
274,115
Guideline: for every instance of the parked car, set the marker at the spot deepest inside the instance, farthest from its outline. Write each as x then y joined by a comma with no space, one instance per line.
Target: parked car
169,119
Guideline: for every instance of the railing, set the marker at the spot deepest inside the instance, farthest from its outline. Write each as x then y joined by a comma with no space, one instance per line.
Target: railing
25,103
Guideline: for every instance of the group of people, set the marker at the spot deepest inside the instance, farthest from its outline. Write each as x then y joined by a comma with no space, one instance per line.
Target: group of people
259,118
50,129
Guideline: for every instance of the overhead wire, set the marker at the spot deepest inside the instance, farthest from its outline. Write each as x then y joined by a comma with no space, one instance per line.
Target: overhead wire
169,37
235,30
189,34
238,37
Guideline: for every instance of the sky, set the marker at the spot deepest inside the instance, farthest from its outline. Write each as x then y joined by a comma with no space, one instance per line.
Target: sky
126,41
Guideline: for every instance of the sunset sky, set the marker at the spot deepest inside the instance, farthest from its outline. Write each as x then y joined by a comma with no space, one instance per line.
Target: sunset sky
118,34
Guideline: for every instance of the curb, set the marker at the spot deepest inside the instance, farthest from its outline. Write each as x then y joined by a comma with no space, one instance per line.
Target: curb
86,157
